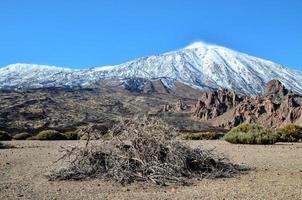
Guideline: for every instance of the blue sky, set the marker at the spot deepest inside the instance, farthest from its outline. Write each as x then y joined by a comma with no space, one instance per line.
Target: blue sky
78,33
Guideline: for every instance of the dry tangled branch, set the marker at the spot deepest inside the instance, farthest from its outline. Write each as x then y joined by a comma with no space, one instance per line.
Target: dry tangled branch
143,150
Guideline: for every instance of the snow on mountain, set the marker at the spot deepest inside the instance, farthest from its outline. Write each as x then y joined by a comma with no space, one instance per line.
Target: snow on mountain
199,65
32,76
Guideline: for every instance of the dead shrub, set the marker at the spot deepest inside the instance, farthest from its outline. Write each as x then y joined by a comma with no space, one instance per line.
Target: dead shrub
142,150
93,131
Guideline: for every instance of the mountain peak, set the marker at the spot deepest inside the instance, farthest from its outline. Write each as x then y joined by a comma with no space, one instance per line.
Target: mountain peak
201,45
198,45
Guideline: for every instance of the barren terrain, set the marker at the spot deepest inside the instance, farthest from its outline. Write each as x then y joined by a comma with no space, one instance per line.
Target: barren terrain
276,174
64,110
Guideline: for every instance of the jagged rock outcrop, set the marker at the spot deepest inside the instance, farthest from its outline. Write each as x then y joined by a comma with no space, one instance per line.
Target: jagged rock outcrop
177,107
180,105
276,107
214,104
275,88
155,86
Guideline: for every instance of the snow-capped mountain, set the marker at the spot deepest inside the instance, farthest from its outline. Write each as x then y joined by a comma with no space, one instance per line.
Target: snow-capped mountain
199,65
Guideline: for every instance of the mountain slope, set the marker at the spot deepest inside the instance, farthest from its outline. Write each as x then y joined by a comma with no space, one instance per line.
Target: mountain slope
200,65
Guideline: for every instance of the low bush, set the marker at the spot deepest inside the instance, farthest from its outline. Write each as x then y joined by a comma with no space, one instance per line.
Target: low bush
202,136
107,136
251,134
5,136
21,136
5,146
70,135
48,135
289,133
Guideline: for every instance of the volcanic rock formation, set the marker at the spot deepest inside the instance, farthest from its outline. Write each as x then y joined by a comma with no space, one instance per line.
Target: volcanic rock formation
213,104
276,107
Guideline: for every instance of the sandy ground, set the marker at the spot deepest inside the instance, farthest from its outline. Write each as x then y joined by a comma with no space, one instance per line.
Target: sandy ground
277,174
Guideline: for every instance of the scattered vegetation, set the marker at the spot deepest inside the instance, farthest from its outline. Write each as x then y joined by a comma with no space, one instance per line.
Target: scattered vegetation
70,135
202,136
251,134
289,133
48,135
54,135
107,136
5,146
142,150
4,136
21,136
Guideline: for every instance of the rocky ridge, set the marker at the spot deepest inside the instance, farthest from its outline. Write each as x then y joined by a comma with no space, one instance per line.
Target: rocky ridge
276,107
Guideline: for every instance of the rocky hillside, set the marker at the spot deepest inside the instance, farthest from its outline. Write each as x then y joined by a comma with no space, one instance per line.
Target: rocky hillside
96,108
100,107
276,107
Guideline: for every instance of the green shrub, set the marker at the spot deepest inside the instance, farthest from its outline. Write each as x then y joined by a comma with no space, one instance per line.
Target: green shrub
6,146
289,133
70,135
107,136
202,136
5,136
48,135
251,134
21,136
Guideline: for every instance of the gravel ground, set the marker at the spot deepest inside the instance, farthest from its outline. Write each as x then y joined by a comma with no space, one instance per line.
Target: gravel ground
276,174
